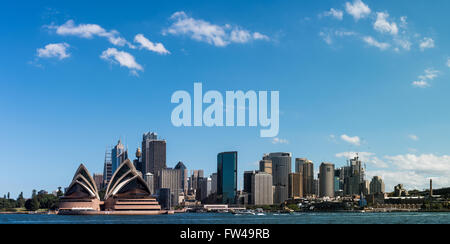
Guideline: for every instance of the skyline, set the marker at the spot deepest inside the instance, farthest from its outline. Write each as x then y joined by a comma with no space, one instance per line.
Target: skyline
368,77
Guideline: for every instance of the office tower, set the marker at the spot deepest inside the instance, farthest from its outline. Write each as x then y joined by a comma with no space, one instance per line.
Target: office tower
262,189
248,184
107,168
354,177
98,179
118,155
339,181
195,176
204,188
281,167
326,180
165,198
315,188
227,177
150,180
153,153
299,162
377,185
184,176
366,187
171,179
295,185
307,171
214,183
265,165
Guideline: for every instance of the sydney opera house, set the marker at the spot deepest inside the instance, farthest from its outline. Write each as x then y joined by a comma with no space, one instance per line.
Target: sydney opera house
126,194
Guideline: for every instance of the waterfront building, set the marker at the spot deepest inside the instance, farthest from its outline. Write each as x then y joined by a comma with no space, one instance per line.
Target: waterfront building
165,198
281,167
118,156
326,180
295,185
306,167
214,183
366,187
153,153
227,177
265,165
354,177
193,181
377,185
248,184
171,179
184,176
262,189
204,188
128,193
150,180
339,181
82,195
315,190
400,191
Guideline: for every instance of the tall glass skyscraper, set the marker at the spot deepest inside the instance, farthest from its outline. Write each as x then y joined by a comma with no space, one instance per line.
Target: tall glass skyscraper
118,155
227,177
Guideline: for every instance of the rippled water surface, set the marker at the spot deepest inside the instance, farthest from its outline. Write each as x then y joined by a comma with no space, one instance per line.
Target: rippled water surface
220,218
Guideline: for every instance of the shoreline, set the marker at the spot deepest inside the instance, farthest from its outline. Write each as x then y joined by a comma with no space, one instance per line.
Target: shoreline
175,212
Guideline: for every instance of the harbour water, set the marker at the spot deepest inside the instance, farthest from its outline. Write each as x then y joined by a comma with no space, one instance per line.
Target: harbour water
225,218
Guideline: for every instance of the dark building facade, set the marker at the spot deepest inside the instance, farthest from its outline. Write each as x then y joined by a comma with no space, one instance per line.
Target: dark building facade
227,177
153,153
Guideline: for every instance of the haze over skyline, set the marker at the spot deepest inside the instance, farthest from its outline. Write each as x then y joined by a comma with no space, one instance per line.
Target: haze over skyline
354,76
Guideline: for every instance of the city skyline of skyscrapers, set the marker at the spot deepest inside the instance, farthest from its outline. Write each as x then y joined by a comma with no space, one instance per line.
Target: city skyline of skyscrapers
285,184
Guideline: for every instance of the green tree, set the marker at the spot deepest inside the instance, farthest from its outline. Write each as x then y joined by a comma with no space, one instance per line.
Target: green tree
20,201
33,203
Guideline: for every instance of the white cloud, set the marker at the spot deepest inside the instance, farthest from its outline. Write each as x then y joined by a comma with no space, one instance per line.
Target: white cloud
337,14
448,62
326,37
204,31
89,31
358,9
382,25
413,137
147,44
259,36
421,84
54,50
277,140
426,43
414,171
352,140
366,157
424,79
429,164
372,42
404,22
122,58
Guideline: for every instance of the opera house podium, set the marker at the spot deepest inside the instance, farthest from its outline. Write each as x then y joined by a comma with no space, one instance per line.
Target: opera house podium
126,194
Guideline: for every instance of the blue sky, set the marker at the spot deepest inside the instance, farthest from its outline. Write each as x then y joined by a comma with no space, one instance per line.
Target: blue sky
354,76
